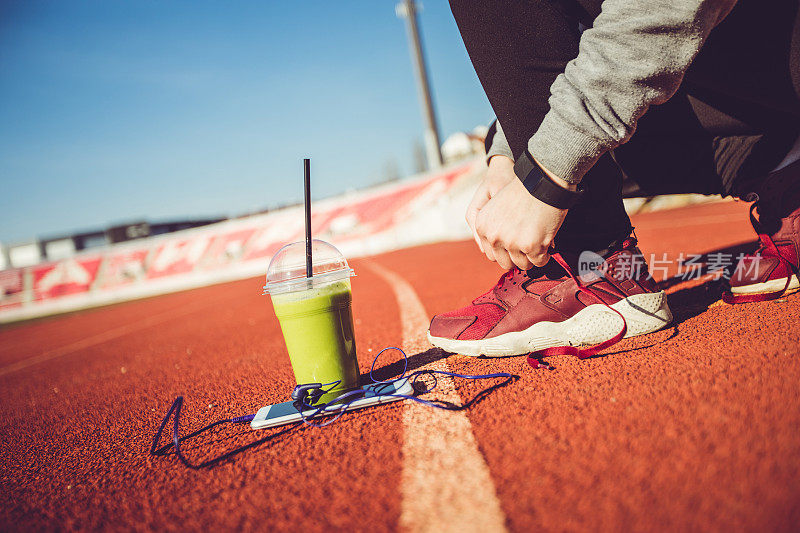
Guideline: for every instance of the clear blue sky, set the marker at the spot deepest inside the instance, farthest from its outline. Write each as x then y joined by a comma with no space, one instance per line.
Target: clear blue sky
112,111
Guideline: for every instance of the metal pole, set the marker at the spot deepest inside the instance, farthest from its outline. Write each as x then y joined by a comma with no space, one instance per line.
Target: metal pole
408,10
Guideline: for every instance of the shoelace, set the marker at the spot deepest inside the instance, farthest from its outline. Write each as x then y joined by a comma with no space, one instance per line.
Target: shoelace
535,358
507,274
500,282
766,248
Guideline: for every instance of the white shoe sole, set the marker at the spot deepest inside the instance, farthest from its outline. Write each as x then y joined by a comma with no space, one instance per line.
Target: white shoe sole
772,285
644,313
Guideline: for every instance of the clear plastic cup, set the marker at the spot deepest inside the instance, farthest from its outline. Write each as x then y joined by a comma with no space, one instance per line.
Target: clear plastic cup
315,315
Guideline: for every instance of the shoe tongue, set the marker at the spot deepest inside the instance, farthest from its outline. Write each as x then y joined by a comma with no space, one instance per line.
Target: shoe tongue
506,280
552,270
490,297
544,278
575,259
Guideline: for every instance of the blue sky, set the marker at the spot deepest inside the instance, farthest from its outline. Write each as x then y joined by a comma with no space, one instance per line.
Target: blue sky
112,111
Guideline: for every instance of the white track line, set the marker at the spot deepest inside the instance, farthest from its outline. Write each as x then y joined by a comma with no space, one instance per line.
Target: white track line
445,485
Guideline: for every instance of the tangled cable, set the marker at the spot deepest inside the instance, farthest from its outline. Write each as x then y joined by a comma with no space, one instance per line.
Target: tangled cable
334,409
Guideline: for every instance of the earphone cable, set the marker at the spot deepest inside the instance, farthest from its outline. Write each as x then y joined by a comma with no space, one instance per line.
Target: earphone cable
317,411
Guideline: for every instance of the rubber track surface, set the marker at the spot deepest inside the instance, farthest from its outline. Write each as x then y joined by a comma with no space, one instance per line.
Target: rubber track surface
694,427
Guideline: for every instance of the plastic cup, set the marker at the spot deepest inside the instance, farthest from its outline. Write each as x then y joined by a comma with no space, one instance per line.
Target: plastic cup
315,315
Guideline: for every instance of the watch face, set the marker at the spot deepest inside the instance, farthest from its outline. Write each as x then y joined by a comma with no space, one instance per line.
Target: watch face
524,166
541,186
551,193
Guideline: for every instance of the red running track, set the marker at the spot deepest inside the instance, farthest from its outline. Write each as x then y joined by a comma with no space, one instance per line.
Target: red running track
694,427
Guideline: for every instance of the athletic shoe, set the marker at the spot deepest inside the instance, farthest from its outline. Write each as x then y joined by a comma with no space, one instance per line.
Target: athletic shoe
773,268
543,308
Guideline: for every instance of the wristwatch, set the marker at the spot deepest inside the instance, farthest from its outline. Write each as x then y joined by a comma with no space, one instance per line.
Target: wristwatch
541,186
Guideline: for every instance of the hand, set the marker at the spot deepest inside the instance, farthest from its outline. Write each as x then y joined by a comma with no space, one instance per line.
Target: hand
514,228
500,174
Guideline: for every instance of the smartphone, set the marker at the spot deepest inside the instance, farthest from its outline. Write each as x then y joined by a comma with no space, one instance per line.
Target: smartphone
280,414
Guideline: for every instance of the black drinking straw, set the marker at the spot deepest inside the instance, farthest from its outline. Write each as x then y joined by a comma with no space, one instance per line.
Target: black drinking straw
307,176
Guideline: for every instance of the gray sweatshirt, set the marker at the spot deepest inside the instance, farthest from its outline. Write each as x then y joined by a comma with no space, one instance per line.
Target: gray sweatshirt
634,56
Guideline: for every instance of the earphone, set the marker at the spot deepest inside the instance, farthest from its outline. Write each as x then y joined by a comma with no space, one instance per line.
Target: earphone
308,393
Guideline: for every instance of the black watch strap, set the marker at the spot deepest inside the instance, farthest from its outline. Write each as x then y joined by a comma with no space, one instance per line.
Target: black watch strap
487,142
541,186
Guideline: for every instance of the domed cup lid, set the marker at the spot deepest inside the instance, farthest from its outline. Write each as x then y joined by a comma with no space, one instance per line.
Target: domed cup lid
287,270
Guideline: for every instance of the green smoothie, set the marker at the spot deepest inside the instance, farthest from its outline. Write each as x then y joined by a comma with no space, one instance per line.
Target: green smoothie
317,326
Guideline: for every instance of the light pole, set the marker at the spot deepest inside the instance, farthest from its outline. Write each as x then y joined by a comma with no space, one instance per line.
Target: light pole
407,9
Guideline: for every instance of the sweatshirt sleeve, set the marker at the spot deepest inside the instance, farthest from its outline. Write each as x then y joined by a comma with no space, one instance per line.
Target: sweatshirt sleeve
498,143
634,56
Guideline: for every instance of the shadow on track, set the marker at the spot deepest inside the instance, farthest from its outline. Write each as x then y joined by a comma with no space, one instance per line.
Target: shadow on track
689,302
174,447
431,355
449,406
684,303
705,261
415,361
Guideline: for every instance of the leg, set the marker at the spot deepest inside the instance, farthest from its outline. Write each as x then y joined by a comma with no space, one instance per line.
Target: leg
734,119
736,115
518,48
750,70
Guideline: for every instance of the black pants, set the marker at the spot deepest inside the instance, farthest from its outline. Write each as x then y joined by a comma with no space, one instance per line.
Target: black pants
733,119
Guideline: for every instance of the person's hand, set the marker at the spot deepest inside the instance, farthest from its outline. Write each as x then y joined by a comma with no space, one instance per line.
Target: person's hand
500,174
514,228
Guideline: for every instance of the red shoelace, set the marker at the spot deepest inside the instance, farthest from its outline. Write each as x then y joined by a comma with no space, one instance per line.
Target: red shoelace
535,358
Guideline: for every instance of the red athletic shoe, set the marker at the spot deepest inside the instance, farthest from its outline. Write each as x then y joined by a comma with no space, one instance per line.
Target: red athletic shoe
772,269
522,314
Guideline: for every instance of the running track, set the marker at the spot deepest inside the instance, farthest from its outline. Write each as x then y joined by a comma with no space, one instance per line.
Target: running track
691,428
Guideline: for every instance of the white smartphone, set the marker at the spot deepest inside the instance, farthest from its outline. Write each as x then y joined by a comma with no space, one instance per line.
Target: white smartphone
280,414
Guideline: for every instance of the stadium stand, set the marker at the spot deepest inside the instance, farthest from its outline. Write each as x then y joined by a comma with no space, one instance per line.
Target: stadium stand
407,212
